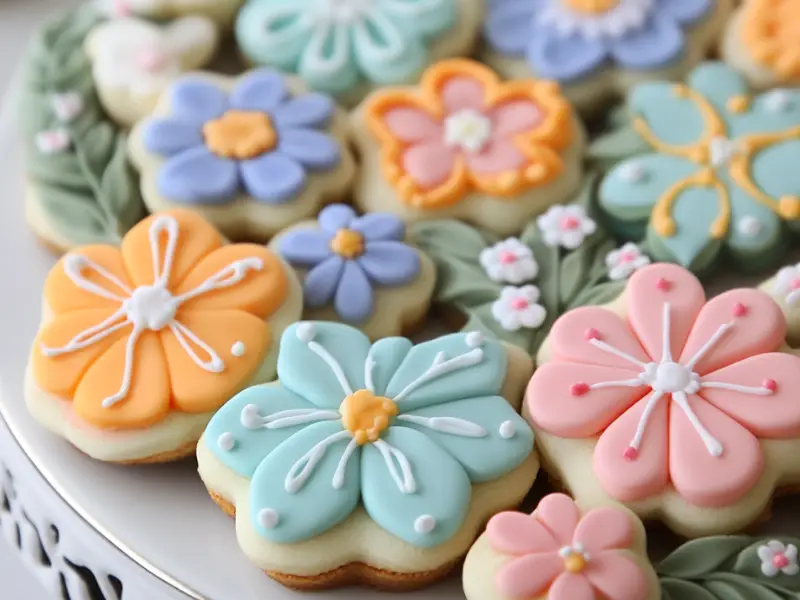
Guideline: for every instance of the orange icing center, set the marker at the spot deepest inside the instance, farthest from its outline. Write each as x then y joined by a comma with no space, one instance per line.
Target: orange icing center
347,243
574,563
240,134
366,415
591,6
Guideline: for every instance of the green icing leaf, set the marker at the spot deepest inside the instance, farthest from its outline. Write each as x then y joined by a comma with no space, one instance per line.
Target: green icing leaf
677,589
702,556
620,143
88,193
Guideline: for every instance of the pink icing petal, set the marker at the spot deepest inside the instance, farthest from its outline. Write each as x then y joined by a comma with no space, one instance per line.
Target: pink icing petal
647,475
776,415
568,339
515,533
529,576
497,156
560,515
604,529
646,306
762,329
411,124
462,92
712,481
429,164
560,402
617,577
515,116
570,586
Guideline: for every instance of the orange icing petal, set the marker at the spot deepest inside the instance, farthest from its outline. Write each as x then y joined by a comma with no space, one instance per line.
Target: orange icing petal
60,375
62,295
239,339
260,292
196,239
147,401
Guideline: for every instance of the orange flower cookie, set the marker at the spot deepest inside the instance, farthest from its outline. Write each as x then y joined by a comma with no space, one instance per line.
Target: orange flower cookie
762,41
462,144
140,345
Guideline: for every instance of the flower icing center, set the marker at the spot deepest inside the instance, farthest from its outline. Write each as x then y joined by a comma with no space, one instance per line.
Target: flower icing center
519,303
570,223
150,307
575,558
347,243
507,257
780,561
240,134
591,6
366,415
467,129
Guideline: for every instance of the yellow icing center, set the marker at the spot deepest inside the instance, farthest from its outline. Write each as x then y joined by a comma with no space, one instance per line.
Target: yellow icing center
347,243
240,134
574,563
366,415
591,6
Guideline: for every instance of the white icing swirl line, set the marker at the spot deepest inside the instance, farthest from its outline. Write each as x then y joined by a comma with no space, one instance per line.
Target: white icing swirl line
404,477
441,367
301,470
252,419
451,425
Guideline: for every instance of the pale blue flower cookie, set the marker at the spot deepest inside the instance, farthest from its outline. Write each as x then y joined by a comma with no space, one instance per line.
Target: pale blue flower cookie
371,463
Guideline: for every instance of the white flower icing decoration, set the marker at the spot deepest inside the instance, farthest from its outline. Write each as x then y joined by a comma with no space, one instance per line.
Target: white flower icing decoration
778,558
509,261
625,261
787,283
518,308
565,226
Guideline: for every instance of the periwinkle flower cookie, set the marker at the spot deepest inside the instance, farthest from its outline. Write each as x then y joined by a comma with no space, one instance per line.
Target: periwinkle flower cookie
359,270
463,144
222,12
597,49
562,552
348,47
139,345
682,408
371,463
252,155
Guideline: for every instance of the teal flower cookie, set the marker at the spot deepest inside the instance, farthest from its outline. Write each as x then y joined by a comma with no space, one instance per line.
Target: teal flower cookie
707,168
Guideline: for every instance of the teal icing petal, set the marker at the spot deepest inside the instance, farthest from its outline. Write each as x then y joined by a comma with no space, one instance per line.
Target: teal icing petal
774,111
436,508
774,169
274,32
755,229
313,374
425,18
387,355
672,119
718,83
287,510
384,53
452,367
327,63
505,442
242,448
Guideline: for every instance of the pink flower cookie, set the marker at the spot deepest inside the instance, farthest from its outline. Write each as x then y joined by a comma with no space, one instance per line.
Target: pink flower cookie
681,408
561,552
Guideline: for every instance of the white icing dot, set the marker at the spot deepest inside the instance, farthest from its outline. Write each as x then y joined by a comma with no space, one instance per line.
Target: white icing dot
267,518
424,524
749,226
474,339
632,172
226,441
306,332
507,430
250,417
777,101
238,349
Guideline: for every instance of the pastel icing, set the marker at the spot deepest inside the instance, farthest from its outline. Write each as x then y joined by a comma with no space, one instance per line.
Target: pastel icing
135,332
768,32
261,139
718,172
403,430
679,394
463,131
561,554
334,45
567,40
348,256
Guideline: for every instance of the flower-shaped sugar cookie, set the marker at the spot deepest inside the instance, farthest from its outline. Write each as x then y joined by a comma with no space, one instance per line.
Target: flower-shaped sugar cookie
133,60
140,345
348,47
705,168
372,463
465,145
221,12
359,270
253,155
561,552
681,408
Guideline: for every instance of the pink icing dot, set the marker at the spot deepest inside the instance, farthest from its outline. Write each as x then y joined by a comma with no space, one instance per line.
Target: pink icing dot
592,334
780,561
631,453
579,389
519,303
121,8
795,285
739,310
663,284
507,257
627,256
769,384
151,59
569,223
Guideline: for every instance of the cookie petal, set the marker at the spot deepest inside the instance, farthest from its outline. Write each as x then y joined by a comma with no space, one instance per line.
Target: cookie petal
354,300
273,178
306,247
197,100
529,576
262,90
653,45
553,55
390,263
198,176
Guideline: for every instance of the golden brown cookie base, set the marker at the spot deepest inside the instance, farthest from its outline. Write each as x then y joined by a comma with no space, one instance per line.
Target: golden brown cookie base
227,507
179,453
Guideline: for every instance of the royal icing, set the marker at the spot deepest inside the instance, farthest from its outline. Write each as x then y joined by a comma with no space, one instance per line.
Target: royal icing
624,261
509,261
52,141
462,132
777,558
143,330
565,226
67,106
260,140
403,430
348,256
787,284
334,45
768,34
679,393
558,553
517,307
567,40
717,172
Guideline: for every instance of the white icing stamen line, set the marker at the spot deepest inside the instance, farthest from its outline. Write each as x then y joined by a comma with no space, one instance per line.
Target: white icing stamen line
341,468
215,364
224,278
712,444
441,367
74,264
644,419
600,344
170,225
666,341
404,478
251,419
306,334
708,345
307,463
451,425
90,336
369,367
745,389
621,383
127,374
